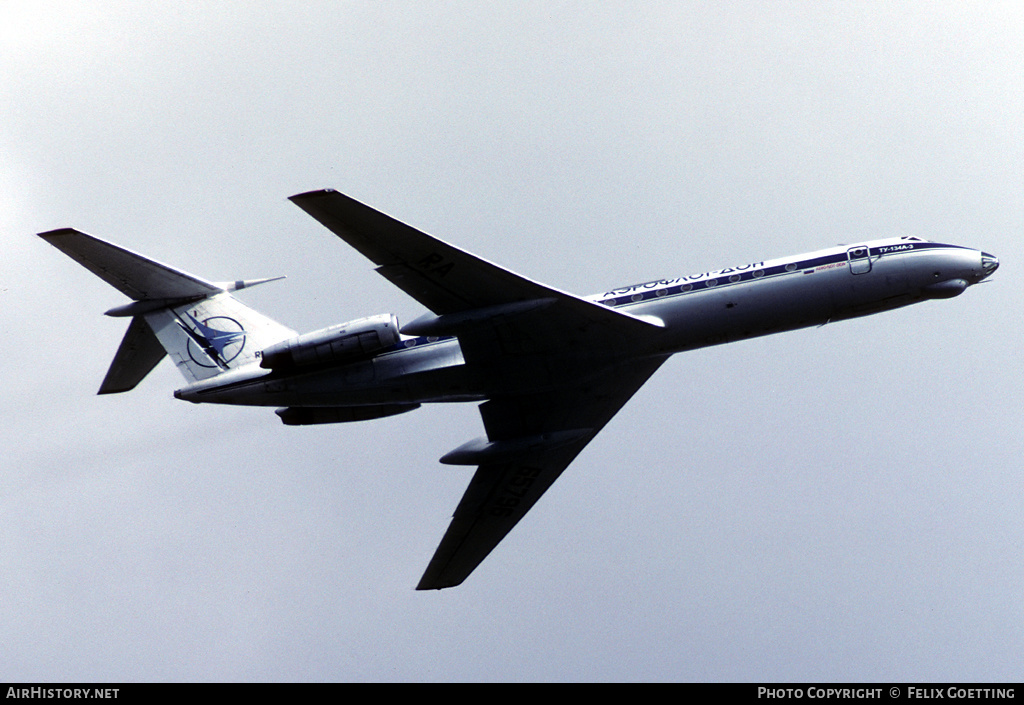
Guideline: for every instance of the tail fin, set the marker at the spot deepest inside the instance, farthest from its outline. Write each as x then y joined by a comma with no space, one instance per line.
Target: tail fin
198,323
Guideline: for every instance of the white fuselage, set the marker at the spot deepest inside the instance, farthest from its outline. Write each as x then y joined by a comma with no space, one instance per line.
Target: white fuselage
703,309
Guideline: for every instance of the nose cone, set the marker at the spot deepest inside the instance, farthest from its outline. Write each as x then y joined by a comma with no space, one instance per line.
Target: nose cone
989,263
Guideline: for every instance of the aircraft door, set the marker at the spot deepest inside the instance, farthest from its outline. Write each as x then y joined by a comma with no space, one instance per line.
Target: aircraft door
860,259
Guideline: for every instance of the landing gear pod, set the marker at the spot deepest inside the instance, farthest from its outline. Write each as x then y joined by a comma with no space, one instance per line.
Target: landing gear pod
307,416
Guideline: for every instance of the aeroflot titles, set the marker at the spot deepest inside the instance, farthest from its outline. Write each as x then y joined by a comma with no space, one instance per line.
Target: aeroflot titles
660,283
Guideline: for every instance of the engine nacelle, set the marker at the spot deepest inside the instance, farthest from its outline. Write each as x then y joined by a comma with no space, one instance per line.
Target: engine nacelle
347,341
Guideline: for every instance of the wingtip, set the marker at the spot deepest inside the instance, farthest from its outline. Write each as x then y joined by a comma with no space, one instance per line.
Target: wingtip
311,194
50,234
425,585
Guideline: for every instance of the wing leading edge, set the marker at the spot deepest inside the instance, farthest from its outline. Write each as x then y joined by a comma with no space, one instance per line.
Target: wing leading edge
560,358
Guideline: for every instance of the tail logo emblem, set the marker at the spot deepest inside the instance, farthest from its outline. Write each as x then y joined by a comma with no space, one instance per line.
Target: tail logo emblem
217,338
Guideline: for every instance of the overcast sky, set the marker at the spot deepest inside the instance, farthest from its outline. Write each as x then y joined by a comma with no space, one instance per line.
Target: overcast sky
842,503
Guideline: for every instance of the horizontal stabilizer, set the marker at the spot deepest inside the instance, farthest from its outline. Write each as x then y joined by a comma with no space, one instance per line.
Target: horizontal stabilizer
132,274
139,353
138,308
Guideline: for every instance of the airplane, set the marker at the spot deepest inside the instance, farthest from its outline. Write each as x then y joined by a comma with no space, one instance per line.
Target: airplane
548,368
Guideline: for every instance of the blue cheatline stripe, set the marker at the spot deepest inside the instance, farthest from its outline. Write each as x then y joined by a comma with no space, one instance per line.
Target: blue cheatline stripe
686,285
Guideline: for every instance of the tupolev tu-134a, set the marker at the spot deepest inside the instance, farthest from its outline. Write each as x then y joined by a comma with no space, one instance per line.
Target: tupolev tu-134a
549,368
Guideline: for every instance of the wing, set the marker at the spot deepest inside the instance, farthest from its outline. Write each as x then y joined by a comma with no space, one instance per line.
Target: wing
557,367
531,440
461,289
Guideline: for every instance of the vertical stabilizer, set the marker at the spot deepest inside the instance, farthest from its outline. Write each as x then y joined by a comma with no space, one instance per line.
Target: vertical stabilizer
204,329
213,335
